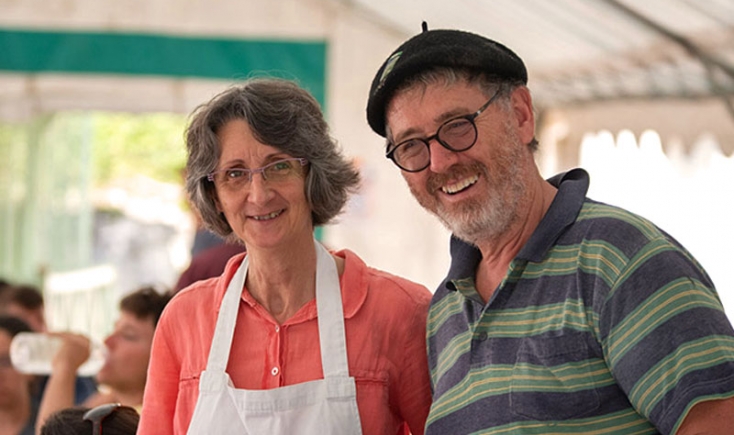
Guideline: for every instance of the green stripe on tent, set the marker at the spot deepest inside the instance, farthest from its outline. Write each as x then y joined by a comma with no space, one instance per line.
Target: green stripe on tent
164,55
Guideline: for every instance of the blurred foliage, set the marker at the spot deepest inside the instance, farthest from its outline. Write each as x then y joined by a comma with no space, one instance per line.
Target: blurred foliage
125,144
122,144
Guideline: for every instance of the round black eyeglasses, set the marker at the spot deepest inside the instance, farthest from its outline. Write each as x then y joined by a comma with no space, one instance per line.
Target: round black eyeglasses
457,134
98,414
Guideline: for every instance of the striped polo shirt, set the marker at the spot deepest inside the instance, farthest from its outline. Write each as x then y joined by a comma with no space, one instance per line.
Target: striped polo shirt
603,324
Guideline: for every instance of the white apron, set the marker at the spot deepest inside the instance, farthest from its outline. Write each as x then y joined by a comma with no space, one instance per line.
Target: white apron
321,407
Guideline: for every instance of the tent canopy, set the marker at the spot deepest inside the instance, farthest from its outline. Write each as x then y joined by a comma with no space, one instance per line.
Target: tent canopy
169,56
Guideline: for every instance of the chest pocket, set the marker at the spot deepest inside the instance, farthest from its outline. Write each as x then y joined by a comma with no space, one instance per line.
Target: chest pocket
554,378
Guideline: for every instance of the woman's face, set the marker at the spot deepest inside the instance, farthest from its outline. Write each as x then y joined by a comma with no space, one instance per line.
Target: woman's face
262,213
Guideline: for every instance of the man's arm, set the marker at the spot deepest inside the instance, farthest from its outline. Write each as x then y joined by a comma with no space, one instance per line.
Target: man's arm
711,417
59,391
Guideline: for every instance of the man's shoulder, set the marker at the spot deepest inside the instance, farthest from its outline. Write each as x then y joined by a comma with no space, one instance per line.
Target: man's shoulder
602,223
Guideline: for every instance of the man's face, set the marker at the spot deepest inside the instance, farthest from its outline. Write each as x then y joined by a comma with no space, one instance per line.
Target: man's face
475,193
128,346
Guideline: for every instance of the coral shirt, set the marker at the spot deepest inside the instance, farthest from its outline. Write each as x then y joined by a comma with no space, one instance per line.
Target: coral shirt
385,319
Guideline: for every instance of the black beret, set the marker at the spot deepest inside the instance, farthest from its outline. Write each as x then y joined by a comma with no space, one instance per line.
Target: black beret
439,48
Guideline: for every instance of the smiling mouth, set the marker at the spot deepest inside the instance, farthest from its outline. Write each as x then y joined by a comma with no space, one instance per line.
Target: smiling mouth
452,189
268,216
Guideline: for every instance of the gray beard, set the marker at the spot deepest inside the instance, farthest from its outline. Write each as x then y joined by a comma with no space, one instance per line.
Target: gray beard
486,219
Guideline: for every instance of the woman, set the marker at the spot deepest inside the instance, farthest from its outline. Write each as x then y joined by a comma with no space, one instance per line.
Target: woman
261,349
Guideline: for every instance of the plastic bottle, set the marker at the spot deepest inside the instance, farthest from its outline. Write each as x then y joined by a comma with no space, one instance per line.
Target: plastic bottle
32,353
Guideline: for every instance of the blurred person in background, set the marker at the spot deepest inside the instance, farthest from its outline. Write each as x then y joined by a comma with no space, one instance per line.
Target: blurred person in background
207,264
122,377
17,407
324,343
107,419
209,252
26,302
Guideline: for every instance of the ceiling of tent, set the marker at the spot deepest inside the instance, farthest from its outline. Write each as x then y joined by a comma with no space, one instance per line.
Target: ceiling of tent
581,51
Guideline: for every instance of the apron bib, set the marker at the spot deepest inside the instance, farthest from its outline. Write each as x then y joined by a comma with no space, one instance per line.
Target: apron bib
320,407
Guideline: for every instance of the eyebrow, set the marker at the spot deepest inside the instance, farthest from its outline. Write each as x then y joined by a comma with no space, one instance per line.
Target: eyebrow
440,119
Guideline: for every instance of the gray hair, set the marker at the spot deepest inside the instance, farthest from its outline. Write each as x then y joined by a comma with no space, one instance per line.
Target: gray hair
282,115
487,83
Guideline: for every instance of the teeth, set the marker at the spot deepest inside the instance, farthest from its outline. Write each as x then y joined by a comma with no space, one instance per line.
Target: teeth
267,216
453,188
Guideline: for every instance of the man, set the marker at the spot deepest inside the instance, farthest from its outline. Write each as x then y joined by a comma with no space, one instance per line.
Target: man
559,314
124,372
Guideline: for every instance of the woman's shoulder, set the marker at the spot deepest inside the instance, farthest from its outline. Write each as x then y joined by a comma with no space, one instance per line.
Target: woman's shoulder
192,306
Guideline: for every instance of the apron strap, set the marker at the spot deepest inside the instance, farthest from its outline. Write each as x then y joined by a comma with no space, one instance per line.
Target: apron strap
330,314
226,320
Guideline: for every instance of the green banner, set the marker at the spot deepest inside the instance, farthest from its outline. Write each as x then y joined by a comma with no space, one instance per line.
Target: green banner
164,55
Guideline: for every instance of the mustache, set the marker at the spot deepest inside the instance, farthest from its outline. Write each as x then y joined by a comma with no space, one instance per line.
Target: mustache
455,172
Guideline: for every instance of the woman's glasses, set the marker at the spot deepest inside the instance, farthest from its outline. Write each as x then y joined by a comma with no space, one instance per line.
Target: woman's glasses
238,177
98,414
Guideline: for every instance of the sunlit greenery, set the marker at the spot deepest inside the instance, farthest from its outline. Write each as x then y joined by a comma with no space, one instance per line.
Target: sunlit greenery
127,144
121,145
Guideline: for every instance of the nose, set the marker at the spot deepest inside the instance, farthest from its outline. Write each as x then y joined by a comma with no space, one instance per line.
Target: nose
442,158
109,341
259,191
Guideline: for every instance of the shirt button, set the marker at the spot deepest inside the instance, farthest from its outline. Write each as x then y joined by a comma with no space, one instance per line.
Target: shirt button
274,371
277,328
483,336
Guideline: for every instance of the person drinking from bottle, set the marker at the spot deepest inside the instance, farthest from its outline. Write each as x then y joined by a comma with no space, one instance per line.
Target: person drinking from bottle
123,375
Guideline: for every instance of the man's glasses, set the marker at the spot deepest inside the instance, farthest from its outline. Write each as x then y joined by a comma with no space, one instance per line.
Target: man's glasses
457,134
238,177
98,414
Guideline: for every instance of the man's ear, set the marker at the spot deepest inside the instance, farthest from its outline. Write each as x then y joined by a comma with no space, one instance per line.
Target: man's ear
522,107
